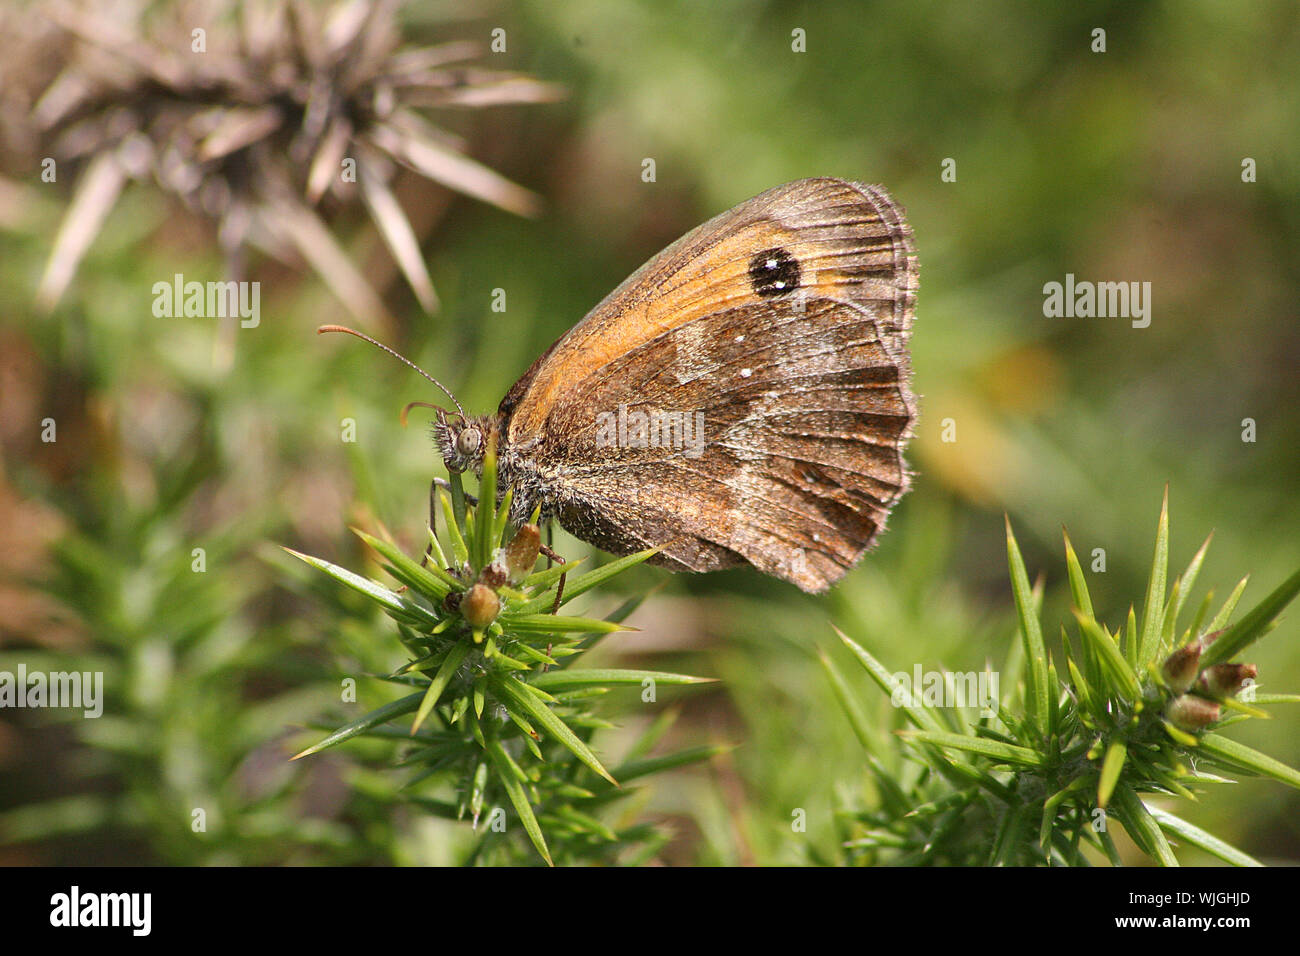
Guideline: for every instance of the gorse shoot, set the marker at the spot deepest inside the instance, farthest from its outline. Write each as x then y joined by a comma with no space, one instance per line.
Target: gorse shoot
1076,743
496,712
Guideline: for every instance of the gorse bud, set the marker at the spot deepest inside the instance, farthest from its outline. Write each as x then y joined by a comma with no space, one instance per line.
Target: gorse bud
1181,667
1192,713
1226,680
480,606
521,554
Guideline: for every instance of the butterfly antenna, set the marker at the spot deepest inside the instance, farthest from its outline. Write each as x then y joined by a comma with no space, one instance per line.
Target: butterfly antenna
406,409
396,355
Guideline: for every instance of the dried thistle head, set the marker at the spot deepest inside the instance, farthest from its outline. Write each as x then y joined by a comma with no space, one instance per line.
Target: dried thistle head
251,113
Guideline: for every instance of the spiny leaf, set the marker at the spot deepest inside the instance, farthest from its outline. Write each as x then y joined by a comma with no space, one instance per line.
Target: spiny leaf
509,774
1198,837
916,709
1251,627
652,734
390,601
511,692
544,579
1111,768
1189,576
558,624
1130,642
994,749
1142,827
1078,586
1249,758
584,822
370,589
585,582
1152,610
1111,658
455,656
430,579
503,517
376,717
1221,619
1038,689
438,558
459,550
1082,689
632,769
607,677
857,720
485,512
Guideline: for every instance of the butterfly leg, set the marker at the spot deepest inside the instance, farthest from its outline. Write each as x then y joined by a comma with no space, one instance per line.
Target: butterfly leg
471,500
551,556
433,521
433,526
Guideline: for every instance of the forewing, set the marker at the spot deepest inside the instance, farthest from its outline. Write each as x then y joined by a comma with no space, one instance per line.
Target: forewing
744,396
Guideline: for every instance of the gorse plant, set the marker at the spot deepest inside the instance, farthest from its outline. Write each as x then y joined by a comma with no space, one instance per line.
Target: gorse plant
176,769
499,717
1037,777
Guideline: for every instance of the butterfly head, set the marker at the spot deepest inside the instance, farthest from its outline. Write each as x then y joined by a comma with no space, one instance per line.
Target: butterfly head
462,441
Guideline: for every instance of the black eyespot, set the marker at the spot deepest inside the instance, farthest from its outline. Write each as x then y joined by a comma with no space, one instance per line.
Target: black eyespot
774,272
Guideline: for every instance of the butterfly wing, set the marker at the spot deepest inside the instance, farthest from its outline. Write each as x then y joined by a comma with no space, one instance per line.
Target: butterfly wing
743,397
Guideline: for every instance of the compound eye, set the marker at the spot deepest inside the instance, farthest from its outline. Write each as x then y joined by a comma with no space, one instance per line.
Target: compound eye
468,441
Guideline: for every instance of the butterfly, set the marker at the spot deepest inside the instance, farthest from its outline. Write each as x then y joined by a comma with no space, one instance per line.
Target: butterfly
742,398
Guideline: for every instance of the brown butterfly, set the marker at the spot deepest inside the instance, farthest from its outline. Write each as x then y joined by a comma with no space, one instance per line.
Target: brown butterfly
743,398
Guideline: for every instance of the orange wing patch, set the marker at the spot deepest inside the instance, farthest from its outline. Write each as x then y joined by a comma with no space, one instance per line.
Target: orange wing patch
812,239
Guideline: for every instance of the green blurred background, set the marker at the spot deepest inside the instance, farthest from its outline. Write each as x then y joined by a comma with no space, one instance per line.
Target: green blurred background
1124,165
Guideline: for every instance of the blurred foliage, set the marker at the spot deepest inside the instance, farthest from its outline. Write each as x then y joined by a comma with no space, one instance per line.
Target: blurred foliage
1123,165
